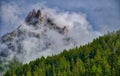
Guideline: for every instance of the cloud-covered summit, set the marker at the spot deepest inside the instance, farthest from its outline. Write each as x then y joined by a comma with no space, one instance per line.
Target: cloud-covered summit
35,38
100,14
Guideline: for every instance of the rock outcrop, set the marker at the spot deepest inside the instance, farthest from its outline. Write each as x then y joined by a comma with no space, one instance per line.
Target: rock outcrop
34,18
30,16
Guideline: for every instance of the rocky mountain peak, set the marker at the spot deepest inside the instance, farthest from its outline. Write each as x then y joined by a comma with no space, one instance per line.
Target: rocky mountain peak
36,17
33,17
37,34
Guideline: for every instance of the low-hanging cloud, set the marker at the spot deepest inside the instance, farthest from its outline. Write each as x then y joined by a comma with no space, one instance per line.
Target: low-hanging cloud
50,41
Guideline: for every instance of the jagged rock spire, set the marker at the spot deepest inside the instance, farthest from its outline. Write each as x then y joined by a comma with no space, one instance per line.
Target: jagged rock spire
33,17
38,14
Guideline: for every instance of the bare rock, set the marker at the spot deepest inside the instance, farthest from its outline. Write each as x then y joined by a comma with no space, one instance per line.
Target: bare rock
38,14
30,16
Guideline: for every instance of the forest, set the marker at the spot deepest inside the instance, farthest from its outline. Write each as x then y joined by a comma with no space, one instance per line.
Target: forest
101,57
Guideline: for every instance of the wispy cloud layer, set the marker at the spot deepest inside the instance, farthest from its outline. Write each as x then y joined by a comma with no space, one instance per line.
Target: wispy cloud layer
99,13
10,17
80,31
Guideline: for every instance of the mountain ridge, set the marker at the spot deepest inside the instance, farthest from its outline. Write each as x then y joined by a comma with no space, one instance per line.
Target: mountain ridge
33,22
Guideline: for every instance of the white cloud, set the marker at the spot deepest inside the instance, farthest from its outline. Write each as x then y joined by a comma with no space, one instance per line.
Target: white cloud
10,17
50,42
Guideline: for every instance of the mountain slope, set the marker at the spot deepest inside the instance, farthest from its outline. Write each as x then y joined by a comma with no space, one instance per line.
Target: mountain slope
99,58
46,32
32,35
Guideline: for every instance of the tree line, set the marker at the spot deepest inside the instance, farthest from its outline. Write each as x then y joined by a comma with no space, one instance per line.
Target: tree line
98,58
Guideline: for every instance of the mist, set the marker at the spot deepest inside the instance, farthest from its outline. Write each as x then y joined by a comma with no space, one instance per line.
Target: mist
50,41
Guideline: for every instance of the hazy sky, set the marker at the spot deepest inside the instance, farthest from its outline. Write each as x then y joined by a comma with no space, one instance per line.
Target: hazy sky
103,15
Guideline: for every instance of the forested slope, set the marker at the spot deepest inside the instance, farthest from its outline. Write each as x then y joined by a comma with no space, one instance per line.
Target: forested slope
99,58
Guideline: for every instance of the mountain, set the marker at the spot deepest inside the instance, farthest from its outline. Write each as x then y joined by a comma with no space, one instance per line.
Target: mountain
33,38
34,34
98,58
43,33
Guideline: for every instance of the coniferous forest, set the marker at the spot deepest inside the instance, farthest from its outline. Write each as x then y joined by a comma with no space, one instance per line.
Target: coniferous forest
98,58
